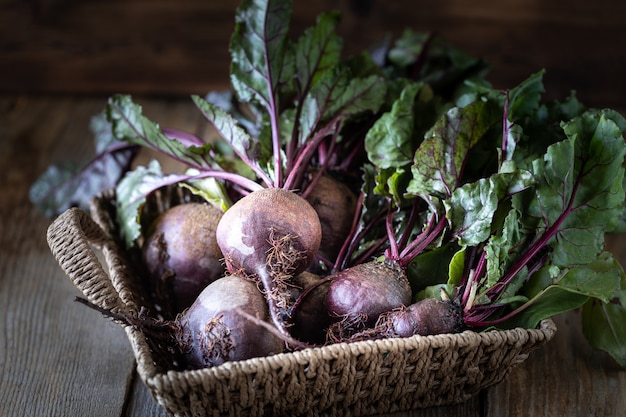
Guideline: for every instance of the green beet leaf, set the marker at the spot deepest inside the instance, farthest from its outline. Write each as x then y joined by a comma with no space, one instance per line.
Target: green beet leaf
253,152
318,51
391,142
261,61
501,249
604,323
440,159
525,99
579,194
130,125
392,182
131,194
471,207
553,291
335,98
434,267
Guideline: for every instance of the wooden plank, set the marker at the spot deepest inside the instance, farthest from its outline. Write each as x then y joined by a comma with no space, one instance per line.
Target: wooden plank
181,47
141,403
564,378
56,356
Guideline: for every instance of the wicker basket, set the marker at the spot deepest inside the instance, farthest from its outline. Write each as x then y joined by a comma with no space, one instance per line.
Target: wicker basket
347,379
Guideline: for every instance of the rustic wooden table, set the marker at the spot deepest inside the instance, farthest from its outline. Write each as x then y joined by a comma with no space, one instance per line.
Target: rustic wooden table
59,358
61,59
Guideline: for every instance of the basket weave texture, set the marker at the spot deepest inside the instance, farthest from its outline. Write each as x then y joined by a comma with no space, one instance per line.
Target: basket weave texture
345,379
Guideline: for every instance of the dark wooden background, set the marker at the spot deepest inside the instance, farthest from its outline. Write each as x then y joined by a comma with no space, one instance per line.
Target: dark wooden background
174,47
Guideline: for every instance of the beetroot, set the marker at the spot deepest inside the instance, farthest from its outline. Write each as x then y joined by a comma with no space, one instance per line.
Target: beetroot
425,317
335,204
271,235
359,294
181,254
215,328
309,316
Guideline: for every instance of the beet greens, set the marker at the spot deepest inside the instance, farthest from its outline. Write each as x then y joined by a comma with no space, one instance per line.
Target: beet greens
577,198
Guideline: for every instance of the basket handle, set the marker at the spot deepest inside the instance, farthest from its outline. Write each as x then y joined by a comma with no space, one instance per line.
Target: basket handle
71,237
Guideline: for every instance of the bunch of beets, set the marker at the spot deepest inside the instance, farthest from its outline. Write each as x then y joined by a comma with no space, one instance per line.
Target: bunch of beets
392,193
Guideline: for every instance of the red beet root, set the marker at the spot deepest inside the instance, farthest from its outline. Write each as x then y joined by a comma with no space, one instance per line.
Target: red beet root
271,235
425,317
181,253
215,329
358,295
309,315
335,205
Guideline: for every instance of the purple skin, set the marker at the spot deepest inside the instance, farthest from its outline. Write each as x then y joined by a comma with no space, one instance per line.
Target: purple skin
271,235
425,317
335,205
214,330
365,291
309,315
181,253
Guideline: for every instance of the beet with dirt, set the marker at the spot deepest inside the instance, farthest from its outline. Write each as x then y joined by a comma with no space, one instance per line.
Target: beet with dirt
428,316
217,328
181,254
270,235
359,294
335,204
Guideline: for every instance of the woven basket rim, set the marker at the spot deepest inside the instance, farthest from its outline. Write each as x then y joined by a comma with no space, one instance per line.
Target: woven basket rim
515,337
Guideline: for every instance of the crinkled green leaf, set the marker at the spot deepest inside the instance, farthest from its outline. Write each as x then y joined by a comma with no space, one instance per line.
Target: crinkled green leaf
261,59
604,323
472,206
439,161
579,193
392,183
318,51
360,95
337,97
130,125
252,151
501,249
525,98
523,102
390,142
225,99
554,291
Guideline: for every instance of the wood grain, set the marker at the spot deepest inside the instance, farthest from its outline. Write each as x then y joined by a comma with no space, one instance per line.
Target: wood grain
565,376
55,357
179,47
